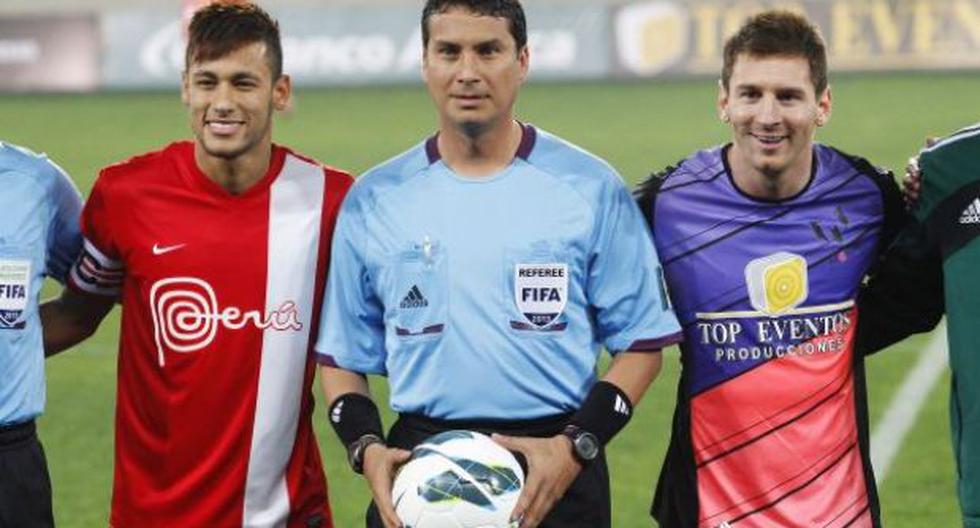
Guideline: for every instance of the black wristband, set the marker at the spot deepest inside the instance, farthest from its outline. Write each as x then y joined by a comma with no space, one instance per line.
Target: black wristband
605,411
354,415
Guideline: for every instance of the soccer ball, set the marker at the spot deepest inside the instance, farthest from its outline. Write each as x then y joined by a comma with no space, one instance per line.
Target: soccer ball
458,479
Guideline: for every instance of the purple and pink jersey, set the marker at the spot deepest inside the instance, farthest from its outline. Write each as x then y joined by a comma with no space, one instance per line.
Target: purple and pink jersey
771,424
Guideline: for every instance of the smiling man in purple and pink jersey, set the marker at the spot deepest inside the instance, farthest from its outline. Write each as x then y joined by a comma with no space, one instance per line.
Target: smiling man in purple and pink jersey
764,243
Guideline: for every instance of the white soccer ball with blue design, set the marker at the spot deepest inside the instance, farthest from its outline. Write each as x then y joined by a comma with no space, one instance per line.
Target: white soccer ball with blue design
458,479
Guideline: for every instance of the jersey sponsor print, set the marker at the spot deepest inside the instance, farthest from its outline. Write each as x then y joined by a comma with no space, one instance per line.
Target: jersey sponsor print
220,294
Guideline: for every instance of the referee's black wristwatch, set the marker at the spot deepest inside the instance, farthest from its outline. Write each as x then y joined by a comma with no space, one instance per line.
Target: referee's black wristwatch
585,445
355,451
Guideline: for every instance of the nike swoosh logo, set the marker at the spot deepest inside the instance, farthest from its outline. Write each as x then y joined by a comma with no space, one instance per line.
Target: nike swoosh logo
161,250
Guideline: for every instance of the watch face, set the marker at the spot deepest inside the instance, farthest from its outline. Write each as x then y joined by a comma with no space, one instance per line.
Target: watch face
587,446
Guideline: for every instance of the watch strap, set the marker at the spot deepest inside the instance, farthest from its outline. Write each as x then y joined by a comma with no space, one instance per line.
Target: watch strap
355,451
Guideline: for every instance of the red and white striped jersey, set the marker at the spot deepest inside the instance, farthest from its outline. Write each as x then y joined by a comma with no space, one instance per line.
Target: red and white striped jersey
220,297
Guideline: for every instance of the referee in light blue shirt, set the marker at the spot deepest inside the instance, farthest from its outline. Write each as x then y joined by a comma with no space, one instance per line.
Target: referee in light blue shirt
482,272
39,236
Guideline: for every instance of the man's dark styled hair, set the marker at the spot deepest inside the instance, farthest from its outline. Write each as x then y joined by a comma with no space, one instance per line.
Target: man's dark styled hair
779,33
507,9
225,26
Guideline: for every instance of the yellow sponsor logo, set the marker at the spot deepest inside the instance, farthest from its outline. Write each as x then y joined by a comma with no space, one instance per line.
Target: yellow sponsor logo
652,36
777,283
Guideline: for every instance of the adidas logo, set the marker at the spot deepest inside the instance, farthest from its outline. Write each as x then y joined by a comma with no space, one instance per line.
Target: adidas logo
621,406
972,213
414,299
335,413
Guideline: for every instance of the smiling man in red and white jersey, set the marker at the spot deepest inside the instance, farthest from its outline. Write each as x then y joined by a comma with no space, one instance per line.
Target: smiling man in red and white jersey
217,249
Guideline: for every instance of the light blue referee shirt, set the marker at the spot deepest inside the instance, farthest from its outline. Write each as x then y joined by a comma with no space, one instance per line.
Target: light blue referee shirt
491,297
39,236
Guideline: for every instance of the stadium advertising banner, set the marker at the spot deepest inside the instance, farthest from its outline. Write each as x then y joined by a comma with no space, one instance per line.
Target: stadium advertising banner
351,45
49,53
675,38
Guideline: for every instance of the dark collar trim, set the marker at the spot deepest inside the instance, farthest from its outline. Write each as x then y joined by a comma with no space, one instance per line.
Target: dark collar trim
529,136
528,139
814,166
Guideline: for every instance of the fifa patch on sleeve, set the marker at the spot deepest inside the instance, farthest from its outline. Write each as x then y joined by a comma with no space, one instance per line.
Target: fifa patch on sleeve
15,282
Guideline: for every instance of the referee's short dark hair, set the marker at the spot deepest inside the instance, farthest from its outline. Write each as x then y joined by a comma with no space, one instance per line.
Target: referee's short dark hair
224,26
510,10
779,33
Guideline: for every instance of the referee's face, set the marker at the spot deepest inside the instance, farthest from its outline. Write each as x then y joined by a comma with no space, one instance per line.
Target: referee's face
772,107
473,70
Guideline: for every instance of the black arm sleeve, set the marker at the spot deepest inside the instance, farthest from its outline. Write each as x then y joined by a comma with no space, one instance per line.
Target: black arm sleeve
904,295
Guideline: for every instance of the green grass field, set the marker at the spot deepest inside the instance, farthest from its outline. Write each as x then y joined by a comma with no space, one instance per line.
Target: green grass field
637,127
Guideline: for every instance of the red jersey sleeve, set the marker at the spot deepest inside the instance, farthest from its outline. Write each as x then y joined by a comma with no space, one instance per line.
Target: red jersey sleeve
98,270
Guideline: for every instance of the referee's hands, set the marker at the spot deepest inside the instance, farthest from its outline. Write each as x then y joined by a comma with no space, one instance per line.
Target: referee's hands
380,463
551,468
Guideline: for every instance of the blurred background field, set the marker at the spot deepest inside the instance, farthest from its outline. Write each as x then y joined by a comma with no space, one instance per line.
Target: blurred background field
638,126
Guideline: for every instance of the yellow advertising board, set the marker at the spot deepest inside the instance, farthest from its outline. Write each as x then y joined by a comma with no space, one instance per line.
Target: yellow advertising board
674,37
